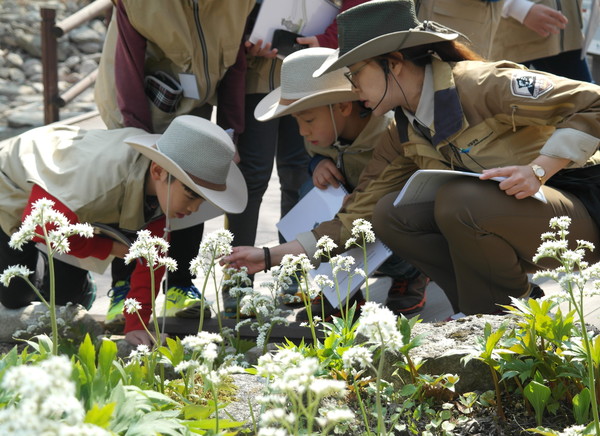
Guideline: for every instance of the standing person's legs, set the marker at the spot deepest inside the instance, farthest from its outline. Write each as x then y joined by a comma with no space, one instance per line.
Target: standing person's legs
567,64
292,163
477,242
256,147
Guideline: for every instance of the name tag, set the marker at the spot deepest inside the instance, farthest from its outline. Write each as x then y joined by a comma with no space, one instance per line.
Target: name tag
189,85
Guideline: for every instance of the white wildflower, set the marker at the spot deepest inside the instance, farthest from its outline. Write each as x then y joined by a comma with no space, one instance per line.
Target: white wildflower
150,248
341,263
14,271
357,355
362,228
378,324
325,246
132,305
213,246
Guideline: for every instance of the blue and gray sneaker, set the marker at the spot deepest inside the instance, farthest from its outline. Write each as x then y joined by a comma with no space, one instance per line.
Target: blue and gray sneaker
117,295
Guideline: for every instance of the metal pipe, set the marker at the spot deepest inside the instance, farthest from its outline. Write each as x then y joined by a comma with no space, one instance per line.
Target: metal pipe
77,89
49,66
82,16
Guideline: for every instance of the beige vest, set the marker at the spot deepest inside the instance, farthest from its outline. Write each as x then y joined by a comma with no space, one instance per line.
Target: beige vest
94,173
476,19
517,43
201,38
356,155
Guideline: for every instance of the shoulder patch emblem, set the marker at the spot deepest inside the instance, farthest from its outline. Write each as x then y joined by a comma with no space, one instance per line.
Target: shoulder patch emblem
529,85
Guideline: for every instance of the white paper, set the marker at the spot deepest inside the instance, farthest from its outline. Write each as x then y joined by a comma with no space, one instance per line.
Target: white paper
315,207
306,17
423,185
377,253
189,84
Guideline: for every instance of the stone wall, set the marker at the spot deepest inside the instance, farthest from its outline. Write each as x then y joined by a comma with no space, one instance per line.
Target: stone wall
21,89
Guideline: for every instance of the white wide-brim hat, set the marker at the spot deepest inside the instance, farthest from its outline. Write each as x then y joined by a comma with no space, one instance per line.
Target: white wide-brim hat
378,27
300,91
199,154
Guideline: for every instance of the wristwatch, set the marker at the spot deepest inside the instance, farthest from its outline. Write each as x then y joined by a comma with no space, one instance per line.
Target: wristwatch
539,172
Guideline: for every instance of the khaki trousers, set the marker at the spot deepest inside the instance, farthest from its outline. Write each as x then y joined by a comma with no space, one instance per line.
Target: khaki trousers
476,242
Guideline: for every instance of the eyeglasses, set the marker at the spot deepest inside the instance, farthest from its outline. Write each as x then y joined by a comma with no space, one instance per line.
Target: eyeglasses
352,75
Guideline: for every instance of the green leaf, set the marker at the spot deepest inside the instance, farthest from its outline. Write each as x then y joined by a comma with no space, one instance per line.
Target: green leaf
197,412
581,406
87,357
100,416
106,357
538,395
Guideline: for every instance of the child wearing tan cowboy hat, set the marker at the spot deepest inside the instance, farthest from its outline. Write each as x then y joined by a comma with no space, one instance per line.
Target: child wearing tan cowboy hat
93,177
340,136
453,111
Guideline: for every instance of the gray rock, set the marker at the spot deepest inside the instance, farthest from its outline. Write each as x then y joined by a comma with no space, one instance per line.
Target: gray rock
87,66
442,349
83,35
14,60
28,318
71,62
90,47
249,387
16,75
4,73
31,44
32,67
26,118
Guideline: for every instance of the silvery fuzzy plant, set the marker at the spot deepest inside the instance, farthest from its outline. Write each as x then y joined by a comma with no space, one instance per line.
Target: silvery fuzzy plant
153,250
572,275
54,229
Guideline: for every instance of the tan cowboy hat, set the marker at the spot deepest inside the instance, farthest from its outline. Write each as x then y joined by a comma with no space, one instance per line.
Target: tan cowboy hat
199,154
378,27
300,91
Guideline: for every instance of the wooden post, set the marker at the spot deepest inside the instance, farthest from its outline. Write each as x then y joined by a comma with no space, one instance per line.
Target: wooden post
49,66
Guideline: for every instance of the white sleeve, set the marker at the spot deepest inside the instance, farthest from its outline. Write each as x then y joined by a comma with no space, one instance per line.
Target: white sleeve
517,9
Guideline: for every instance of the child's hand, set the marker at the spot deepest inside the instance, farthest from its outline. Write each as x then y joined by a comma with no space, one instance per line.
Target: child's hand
326,173
119,250
544,20
310,41
259,50
141,337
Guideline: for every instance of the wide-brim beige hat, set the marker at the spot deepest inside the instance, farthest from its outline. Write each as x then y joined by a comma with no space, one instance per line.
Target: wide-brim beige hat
300,91
378,27
199,154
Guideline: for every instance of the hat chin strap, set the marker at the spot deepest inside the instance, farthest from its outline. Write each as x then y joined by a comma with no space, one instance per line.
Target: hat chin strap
385,72
333,122
166,232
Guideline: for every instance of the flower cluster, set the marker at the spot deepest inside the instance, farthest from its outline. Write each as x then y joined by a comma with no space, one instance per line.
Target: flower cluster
295,393
362,230
55,224
379,325
47,403
213,246
152,249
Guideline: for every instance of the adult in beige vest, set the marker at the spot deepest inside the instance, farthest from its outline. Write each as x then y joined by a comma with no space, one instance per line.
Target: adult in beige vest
545,35
164,59
475,19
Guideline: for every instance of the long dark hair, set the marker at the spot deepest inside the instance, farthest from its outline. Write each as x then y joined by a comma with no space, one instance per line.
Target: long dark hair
448,51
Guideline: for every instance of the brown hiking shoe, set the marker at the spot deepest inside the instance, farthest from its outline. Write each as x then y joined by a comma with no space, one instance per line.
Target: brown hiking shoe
407,296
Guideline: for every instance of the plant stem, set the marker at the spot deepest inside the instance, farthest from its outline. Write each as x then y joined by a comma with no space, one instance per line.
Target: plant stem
153,303
53,322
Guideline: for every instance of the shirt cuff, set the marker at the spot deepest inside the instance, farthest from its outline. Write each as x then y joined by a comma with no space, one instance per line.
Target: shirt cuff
571,144
309,243
517,9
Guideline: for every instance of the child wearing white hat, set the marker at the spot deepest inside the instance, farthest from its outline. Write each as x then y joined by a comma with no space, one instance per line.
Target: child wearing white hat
91,176
341,136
